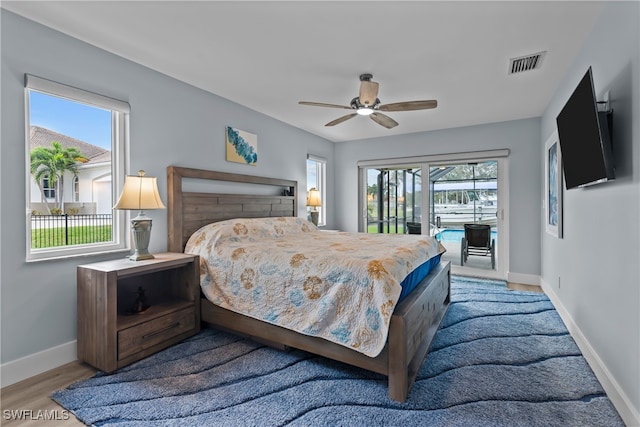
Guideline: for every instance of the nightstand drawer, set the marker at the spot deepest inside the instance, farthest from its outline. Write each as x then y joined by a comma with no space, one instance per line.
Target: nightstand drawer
155,331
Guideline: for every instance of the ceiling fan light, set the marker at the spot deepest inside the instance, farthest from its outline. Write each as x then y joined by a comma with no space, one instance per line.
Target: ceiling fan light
364,111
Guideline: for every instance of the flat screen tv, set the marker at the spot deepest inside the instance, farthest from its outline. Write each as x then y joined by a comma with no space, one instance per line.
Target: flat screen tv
584,137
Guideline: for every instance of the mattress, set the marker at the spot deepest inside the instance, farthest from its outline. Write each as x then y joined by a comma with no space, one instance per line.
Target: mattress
414,278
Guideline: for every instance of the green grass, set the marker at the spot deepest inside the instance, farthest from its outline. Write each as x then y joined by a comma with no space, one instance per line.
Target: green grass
81,235
373,229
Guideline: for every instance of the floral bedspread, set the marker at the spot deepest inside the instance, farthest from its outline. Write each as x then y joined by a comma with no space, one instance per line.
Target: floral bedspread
340,286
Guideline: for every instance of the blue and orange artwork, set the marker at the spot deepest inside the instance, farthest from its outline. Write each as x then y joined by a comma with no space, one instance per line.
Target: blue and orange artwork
242,147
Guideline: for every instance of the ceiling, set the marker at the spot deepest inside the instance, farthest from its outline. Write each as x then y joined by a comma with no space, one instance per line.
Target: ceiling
269,55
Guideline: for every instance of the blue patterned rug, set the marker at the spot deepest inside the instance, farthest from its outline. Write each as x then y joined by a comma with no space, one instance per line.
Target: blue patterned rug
500,358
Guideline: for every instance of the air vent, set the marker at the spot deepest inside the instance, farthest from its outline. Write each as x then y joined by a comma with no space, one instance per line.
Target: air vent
525,63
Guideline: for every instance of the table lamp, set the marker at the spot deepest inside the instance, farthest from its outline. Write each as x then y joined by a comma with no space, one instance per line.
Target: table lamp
313,200
140,193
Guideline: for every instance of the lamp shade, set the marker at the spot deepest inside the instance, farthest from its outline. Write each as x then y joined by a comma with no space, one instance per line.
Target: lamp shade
313,198
140,192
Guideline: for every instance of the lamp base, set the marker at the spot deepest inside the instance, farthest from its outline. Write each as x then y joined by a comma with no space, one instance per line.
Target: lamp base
141,230
314,217
138,256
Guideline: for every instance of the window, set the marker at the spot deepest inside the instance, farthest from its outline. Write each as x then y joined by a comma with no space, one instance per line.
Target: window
76,189
316,177
48,190
76,145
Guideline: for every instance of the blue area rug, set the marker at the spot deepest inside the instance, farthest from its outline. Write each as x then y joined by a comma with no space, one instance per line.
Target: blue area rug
500,358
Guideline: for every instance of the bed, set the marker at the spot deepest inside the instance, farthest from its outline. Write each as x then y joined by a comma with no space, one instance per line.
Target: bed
412,324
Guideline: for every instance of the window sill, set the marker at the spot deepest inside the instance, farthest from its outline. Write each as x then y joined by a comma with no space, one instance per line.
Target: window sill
50,256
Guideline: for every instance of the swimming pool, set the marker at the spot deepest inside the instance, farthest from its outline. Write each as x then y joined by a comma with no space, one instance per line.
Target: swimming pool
456,236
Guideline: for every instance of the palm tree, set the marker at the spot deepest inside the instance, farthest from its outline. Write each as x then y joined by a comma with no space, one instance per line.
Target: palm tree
52,163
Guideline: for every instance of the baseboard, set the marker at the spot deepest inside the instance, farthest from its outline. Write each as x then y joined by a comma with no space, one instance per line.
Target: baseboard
523,279
34,364
618,397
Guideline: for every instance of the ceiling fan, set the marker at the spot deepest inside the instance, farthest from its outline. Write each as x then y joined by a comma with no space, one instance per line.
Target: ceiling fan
368,104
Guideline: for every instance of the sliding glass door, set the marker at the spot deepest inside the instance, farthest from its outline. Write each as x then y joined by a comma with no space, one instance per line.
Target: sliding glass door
394,200
460,199
463,205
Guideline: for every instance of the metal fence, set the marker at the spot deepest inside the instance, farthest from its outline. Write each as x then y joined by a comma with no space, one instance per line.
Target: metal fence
62,230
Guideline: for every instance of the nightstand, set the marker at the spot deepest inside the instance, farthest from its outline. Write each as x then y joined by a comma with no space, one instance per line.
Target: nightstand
111,334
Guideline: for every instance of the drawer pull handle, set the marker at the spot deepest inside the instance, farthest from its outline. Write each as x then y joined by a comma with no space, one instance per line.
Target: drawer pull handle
153,334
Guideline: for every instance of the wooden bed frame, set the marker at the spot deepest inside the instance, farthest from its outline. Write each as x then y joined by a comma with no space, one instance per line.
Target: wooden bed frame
415,319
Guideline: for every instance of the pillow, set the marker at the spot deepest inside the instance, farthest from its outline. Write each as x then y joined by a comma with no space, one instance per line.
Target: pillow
251,229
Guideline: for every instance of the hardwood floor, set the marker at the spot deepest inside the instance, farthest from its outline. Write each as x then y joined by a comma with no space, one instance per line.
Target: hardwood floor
27,403
520,287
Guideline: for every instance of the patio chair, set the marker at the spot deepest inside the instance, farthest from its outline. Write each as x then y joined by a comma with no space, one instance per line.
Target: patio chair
477,241
414,227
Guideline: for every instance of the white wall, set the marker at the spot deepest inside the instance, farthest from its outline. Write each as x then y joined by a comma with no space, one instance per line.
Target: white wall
525,179
171,124
594,271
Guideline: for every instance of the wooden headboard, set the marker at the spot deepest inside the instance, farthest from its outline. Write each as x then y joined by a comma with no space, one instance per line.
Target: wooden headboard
188,211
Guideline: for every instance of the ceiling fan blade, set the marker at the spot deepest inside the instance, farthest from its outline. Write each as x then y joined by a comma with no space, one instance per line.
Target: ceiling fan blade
383,120
341,119
322,104
368,92
409,105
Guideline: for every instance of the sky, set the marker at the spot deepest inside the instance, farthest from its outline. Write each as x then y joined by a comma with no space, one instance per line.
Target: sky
312,176
80,121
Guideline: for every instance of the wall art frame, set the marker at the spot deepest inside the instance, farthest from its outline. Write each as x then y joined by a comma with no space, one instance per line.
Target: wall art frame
241,146
553,187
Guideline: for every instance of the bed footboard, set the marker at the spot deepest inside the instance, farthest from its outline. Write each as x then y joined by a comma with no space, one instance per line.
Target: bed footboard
413,326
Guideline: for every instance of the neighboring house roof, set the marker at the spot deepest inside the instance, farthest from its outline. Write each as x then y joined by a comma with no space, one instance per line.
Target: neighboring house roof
42,137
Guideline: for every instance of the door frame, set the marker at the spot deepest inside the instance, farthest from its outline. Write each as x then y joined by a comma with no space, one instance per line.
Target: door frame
500,156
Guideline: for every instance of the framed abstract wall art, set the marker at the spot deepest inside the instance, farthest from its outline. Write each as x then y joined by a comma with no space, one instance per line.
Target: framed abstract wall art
553,187
242,147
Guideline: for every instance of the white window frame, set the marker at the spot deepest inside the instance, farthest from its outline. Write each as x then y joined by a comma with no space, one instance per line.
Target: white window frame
120,112
75,187
320,184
